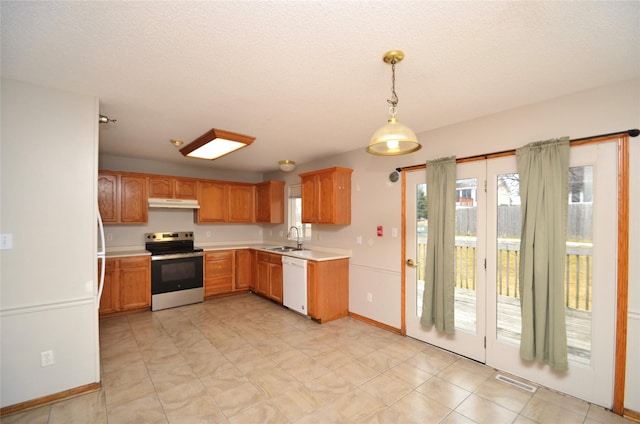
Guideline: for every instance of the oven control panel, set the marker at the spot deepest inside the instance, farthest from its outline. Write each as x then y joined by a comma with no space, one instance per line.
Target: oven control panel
169,236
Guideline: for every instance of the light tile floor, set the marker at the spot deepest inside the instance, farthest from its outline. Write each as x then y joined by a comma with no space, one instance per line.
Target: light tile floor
244,359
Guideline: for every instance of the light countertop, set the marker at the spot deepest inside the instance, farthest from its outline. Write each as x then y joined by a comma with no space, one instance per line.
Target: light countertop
116,253
312,254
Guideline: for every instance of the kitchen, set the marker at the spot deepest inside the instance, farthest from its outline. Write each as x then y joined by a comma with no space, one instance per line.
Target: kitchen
40,168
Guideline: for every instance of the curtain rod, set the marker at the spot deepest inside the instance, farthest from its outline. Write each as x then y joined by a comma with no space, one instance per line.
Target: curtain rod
633,133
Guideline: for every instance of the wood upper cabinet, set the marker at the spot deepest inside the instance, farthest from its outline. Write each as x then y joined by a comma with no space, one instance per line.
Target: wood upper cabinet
328,289
122,198
241,202
213,200
269,275
221,201
127,285
326,196
172,188
218,272
133,200
270,202
108,202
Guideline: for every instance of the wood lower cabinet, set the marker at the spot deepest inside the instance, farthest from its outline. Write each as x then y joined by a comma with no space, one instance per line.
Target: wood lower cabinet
269,275
328,289
218,272
227,272
127,285
243,270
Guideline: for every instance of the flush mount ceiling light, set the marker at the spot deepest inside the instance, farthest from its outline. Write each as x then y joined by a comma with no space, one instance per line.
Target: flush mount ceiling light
287,165
216,143
176,142
394,138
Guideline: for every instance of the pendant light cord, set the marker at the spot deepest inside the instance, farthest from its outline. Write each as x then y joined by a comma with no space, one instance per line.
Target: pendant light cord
393,101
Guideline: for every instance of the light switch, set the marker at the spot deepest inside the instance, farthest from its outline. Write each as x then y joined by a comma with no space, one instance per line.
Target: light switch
6,241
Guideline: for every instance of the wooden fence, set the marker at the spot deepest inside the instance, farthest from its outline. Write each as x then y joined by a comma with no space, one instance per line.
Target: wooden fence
578,273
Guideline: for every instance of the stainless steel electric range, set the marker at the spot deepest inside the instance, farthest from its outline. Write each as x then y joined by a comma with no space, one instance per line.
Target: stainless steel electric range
176,269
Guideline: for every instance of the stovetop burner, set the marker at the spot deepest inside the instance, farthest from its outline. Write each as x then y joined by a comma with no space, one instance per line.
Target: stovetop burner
167,243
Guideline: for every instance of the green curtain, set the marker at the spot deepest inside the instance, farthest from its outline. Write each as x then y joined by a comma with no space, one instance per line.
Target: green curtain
544,175
438,297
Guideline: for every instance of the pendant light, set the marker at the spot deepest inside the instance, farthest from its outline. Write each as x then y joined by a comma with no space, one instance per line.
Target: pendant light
393,138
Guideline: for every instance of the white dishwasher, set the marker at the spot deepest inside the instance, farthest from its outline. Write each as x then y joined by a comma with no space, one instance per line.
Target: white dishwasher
294,284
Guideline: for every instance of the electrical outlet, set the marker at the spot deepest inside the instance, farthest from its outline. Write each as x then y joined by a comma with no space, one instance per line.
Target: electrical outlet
208,234
369,297
46,358
109,236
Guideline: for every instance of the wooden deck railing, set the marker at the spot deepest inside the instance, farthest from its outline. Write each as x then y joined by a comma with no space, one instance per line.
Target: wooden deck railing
578,273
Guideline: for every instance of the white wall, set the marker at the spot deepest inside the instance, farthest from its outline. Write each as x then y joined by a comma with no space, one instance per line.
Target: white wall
376,201
48,178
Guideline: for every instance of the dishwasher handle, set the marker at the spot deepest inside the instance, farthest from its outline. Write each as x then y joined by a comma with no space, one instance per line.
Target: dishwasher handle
288,260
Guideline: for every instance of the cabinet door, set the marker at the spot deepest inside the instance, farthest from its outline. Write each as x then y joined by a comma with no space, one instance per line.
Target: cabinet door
325,202
135,283
262,277
243,270
161,187
133,200
270,202
109,301
218,273
275,282
185,189
312,289
212,197
108,197
241,203
308,199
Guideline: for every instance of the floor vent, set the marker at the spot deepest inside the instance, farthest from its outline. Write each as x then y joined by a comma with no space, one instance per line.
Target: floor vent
516,383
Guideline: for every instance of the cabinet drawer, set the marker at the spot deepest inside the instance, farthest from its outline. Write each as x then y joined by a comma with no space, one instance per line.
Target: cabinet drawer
275,258
218,268
134,262
218,255
263,257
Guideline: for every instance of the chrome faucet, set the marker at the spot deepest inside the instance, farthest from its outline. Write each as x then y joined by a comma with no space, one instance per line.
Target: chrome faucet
299,247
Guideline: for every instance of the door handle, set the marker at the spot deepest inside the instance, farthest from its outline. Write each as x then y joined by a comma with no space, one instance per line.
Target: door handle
412,264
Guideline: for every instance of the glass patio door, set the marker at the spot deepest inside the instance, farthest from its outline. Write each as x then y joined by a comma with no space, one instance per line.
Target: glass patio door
590,263
469,313
486,273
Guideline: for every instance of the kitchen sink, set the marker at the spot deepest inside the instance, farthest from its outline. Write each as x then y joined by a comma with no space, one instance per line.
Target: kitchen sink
283,249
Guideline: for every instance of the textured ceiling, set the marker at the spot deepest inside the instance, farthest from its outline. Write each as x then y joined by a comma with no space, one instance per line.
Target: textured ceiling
307,78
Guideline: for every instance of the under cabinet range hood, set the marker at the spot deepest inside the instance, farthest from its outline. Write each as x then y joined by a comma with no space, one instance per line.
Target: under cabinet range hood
173,203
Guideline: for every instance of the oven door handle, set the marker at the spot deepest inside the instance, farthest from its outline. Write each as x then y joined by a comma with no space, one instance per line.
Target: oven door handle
176,256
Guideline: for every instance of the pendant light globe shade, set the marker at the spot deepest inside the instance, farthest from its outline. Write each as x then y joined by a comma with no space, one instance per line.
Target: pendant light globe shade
393,139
